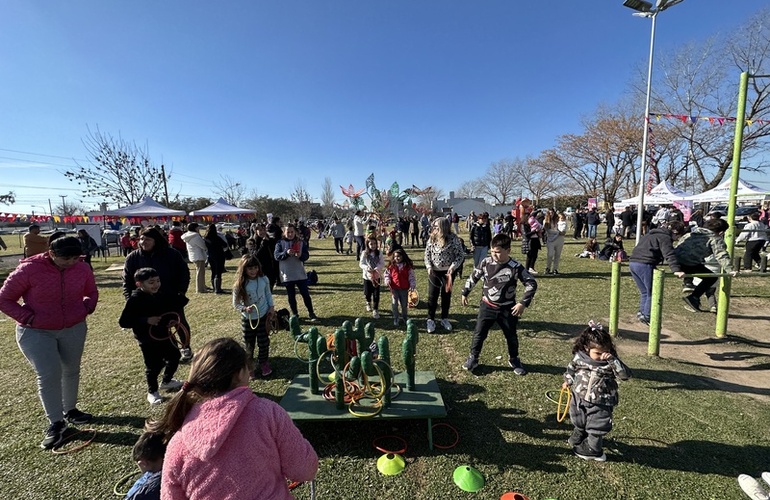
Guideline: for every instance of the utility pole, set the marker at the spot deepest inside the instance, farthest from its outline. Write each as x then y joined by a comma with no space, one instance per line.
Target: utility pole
63,206
50,211
165,185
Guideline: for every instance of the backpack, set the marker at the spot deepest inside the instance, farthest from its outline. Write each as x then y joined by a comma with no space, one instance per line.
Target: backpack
312,277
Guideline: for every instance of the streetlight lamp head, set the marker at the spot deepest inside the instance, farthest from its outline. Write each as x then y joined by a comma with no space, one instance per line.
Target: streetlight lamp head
639,5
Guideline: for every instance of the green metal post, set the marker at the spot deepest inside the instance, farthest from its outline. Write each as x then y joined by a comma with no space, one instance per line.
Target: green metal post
614,298
656,310
723,306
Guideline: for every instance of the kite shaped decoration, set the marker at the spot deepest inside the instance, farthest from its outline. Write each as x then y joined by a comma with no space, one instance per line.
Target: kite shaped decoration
353,195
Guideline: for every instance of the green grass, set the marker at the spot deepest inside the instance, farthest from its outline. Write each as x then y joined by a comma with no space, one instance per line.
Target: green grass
675,434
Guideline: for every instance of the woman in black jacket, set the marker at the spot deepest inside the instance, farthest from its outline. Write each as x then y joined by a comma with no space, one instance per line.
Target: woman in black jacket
216,247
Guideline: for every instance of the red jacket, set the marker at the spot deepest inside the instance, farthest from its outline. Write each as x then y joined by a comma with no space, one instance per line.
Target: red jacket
175,240
53,299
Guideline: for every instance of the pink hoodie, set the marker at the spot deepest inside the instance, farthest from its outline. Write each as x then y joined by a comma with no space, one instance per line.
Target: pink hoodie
236,446
53,299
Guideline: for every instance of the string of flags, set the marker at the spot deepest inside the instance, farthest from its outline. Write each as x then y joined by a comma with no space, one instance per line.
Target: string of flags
713,120
84,219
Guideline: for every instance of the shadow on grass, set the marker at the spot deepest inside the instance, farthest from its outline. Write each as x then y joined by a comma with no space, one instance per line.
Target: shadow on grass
703,457
676,380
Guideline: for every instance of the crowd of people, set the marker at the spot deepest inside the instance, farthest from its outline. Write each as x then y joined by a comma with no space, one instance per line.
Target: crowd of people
53,290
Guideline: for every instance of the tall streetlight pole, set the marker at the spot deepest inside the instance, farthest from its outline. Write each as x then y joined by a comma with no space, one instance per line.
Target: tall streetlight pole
645,9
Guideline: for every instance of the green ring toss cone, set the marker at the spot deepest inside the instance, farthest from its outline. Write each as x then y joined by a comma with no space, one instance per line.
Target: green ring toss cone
391,464
468,479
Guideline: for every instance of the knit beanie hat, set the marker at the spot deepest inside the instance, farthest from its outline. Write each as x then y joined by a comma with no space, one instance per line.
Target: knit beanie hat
67,246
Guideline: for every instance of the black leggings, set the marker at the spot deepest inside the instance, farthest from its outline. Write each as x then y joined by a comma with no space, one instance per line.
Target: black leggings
372,294
436,288
534,248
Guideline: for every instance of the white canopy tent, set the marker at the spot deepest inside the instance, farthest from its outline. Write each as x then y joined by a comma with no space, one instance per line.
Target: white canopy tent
662,194
145,208
721,193
221,207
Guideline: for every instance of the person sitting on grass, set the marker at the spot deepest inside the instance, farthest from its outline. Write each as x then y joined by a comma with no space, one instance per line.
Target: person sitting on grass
498,304
591,377
148,454
223,440
590,249
148,312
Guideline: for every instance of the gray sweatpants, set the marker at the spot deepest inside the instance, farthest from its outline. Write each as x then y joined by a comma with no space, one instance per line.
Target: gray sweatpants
593,420
55,356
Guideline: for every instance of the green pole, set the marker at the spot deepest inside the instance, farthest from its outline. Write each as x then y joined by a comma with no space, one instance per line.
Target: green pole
723,306
614,298
656,309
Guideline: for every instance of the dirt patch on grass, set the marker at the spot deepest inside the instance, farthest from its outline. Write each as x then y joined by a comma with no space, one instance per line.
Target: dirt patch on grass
737,363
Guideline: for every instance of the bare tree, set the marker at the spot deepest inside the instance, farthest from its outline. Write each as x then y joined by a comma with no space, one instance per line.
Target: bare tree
231,190
499,182
302,198
116,170
538,181
327,196
470,189
69,208
601,160
700,80
8,199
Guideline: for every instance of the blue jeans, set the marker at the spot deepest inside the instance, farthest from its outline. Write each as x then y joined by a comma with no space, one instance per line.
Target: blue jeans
478,255
592,230
642,274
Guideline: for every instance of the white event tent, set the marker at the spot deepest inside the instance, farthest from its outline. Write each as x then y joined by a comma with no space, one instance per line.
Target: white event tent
145,208
662,194
221,207
722,192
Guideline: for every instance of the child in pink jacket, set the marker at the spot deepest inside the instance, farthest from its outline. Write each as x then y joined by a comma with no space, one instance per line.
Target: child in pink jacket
225,442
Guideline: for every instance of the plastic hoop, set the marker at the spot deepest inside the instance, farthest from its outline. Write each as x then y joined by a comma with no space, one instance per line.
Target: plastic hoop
457,436
123,480
56,450
562,410
251,322
390,436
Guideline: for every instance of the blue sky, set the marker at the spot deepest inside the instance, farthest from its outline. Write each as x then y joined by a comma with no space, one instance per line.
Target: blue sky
272,93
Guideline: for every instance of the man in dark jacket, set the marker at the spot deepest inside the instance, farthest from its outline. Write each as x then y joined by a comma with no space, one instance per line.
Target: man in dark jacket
627,218
481,235
609,219
653,248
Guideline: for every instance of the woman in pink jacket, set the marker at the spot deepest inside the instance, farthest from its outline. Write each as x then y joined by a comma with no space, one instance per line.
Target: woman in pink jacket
225,442
58,291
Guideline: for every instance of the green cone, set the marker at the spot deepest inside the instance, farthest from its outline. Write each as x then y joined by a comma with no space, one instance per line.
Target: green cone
391,464
468,478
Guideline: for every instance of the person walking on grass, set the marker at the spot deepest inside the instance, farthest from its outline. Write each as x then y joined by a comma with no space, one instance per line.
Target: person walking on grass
591,378
444,256
223,440
148,313
755,235
197,253
254,300
500,275
58,292
372,264
480,236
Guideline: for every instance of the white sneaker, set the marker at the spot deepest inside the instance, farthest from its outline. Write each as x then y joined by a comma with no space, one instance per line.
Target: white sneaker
376,314
446,325
154,398
171,385
431,325
766,478
532,272
751,487
368,308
